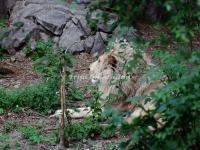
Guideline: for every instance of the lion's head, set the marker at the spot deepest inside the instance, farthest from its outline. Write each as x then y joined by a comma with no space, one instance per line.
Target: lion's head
108,69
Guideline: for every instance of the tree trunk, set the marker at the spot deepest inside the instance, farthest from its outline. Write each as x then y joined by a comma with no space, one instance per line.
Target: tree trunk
63,142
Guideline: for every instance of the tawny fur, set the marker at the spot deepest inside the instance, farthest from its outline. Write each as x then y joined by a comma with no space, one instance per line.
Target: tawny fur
112,63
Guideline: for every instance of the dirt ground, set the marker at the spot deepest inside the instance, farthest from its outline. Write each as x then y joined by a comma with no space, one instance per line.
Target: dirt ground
48,126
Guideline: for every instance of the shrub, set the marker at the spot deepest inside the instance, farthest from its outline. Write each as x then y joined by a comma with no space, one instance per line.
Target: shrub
177,102
41,49
182,17
40,97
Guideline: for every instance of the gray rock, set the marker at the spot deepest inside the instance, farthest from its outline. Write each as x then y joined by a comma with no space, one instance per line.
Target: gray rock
71,39
75,20
52,20
99,45
104,36
18,35
88,43
82,23
35,15
23,11
105,26
10,4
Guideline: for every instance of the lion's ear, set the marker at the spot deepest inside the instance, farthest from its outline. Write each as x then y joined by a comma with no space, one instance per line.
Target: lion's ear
112,60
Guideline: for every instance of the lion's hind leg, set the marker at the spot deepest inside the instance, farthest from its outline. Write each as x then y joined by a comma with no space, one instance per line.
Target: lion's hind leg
81,112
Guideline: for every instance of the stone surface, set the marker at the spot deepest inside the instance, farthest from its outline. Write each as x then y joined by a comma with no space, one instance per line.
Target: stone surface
88,43
99,45
104,36
84,26
52,20
71,39
17,35
64,23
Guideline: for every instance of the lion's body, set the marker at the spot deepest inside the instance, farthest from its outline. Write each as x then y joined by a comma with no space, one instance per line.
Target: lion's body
112,64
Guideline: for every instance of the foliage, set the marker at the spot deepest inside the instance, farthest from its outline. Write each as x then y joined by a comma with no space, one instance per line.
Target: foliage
40,97
48,60
177,102
49,65
18,24
5,142
3,23
41,49
9,126
34,135
82,130
182,17
90,127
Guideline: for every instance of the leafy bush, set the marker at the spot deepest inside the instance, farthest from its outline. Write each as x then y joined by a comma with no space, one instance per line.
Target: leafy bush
82,130
50,64
3,23
34,135
40,97
177,102
9,126
41,49
182,17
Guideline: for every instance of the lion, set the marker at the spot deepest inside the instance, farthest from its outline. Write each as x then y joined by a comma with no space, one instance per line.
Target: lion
110,67
102,71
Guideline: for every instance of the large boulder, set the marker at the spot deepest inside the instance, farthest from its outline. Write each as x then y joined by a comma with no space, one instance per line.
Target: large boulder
56,20
17,35
71,38
52,20
35,15
99,45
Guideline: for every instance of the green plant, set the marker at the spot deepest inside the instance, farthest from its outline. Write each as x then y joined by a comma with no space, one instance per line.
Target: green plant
82,130
9,126
182,17
48,63
33,134
39,97
177,102
4,141
41,49
3,23
18,24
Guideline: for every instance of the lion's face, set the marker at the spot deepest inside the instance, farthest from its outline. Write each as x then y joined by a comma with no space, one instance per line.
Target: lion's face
102,69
